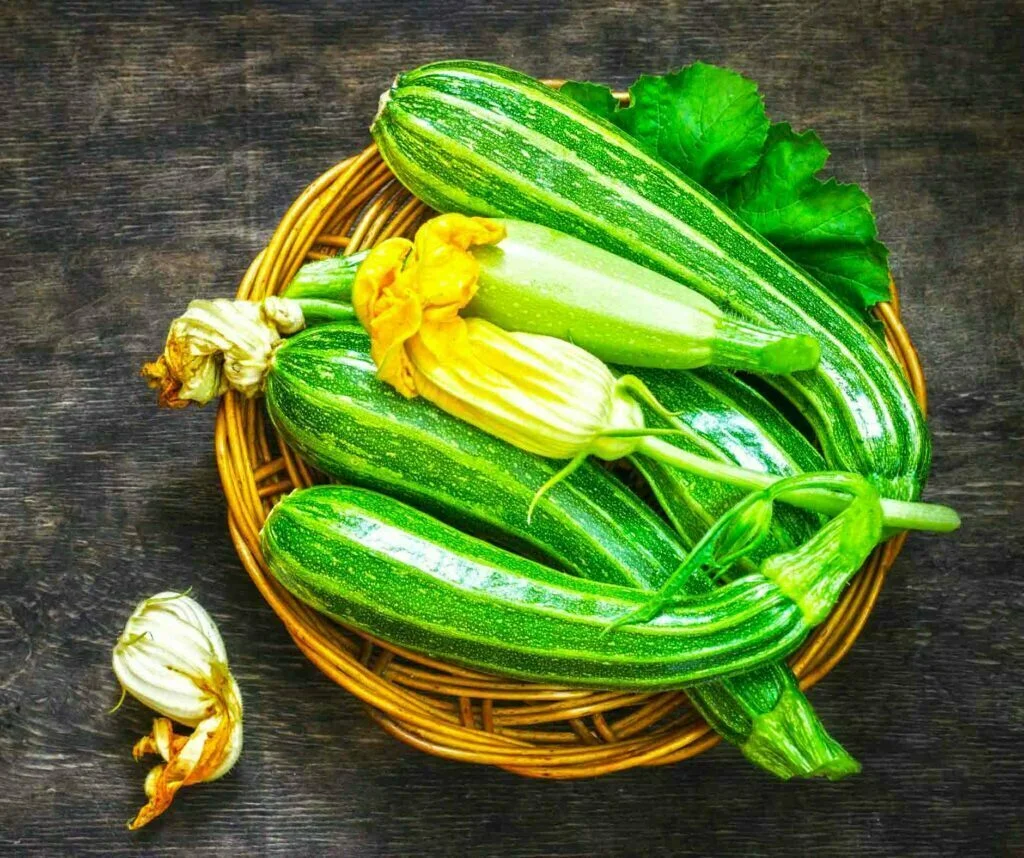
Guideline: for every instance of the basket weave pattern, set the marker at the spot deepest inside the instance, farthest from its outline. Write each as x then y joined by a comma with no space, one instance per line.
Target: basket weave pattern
531,729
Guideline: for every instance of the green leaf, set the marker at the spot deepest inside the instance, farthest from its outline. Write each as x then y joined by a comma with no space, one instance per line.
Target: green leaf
825,227
860,273
594,97
707,121
710,123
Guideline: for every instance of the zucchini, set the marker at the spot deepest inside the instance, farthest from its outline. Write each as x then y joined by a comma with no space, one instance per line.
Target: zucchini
380,566
327,279
542,281
763,712
481,139
322,394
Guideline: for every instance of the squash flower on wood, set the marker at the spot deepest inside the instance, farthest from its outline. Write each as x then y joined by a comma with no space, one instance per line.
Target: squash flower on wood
172,659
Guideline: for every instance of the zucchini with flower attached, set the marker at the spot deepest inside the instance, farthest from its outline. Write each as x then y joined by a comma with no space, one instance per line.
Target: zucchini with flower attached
322,394
540,281
539,393
480,139
387,569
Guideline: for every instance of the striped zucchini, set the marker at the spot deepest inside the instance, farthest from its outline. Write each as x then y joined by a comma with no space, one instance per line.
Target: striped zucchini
481,139
725,419
380,566
323,395
763,712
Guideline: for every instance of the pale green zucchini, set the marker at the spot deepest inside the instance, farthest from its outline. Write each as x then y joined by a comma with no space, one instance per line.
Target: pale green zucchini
542,281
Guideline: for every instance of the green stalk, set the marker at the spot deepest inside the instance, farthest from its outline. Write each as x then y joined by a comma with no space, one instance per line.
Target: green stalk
737,344
813,575
329,279
321,311
897,515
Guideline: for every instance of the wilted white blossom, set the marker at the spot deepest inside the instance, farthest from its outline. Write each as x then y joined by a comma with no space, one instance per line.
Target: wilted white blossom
171,658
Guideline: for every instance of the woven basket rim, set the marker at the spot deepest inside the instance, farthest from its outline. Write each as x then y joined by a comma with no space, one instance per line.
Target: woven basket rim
527,728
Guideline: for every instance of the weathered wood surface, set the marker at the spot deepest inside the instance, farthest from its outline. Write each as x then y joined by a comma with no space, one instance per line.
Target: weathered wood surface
148,150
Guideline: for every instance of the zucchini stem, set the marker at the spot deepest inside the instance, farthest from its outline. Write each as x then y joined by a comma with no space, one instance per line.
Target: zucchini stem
897,515
813,575
323,311
789,741
328,279
553,481
742,345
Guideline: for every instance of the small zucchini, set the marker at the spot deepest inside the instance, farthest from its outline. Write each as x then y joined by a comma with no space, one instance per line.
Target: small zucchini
543,281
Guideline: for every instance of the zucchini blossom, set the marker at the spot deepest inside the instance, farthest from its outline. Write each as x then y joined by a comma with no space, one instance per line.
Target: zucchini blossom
537,392
171,658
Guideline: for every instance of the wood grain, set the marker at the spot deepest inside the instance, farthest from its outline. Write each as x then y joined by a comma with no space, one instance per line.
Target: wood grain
148,150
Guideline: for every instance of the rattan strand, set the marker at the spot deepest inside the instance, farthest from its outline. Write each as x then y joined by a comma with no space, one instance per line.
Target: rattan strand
534,730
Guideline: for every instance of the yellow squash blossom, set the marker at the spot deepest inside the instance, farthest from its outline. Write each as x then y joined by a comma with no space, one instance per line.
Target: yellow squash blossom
539,393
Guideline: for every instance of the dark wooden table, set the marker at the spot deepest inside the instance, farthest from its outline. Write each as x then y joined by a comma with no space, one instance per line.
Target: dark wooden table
149,149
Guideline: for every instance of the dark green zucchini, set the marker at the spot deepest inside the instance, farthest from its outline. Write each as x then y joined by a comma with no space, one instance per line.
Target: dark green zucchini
323,395
380,566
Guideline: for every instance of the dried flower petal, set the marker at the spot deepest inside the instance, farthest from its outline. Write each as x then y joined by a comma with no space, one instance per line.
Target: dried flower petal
220,344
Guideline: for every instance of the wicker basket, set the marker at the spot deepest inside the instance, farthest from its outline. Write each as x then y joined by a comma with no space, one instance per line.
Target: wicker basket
530,729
